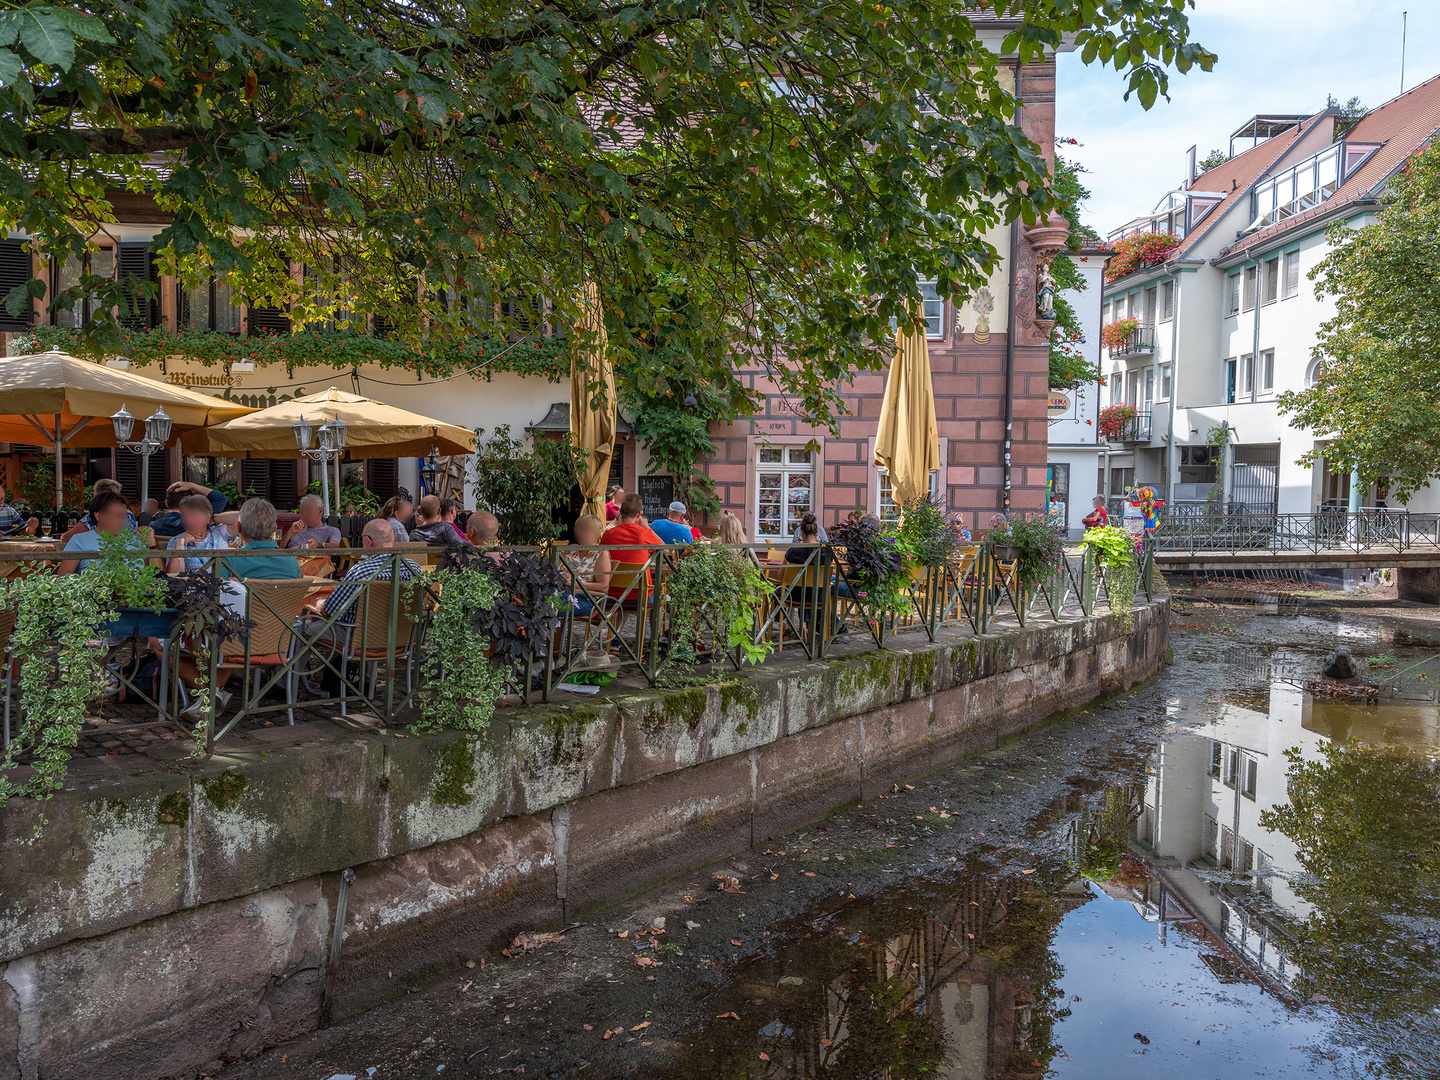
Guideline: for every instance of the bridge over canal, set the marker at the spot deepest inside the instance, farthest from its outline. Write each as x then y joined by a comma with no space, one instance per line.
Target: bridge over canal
1371,539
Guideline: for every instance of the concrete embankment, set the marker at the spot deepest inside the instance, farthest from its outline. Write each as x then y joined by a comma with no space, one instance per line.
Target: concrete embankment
169,919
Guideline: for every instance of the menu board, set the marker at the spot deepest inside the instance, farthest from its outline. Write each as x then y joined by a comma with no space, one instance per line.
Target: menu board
657,493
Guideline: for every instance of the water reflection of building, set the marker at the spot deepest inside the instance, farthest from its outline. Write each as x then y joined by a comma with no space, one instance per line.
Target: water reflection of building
1219,868
961,986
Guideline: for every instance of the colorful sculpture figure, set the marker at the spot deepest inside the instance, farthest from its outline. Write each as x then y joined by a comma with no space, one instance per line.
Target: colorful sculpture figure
1149,508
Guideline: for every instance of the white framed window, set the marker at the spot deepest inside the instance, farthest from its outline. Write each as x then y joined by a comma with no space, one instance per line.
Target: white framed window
1251,281
1315,372
1272,280
1228,373
100,262
1132,389
934,310
1149,386
885,508
1247,375
1130,306
1167,301
1267,371
1150,307
210,306
1117,386
1232,295
784,490
1292,274
1164,382
1251,774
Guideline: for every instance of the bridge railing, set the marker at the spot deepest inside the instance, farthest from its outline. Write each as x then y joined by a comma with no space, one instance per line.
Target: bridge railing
1367,530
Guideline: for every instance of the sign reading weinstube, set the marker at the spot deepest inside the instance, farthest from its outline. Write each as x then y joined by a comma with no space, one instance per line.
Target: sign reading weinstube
1059,403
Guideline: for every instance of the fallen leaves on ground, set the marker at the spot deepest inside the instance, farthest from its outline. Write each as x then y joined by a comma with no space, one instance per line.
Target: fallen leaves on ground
728,1016
764,1056
645,961
728,883
691,925
641,1026
734,941
527,941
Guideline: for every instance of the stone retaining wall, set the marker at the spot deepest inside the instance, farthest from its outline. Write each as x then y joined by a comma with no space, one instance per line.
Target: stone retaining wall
170,919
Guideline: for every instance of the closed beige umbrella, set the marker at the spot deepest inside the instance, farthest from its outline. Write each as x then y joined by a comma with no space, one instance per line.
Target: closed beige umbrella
68,402
593,429
907,444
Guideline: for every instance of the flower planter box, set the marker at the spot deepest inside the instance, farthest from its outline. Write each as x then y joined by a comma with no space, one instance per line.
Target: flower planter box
1007,552
140,622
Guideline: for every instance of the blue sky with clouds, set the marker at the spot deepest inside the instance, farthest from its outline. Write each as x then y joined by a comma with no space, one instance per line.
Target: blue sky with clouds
1275,56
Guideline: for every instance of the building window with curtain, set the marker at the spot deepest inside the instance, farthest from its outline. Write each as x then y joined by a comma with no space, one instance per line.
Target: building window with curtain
1250,287
210,306
1167,301
66,274
1232,295
784,490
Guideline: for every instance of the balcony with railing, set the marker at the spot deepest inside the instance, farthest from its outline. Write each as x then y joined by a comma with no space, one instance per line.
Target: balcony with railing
1125,424
1137,340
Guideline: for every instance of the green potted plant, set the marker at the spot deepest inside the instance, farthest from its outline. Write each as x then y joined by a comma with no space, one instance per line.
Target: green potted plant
718,588
926,536
137,594
1031,541
1118,552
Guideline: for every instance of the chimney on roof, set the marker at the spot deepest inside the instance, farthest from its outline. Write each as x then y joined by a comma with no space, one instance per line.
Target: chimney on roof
1190,155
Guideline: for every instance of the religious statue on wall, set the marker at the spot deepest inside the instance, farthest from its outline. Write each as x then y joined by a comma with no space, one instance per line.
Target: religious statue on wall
1045,294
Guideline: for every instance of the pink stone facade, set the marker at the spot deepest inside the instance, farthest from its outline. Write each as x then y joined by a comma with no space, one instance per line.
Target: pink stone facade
970,391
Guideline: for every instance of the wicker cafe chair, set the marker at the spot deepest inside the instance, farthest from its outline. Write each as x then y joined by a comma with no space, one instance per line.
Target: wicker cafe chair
365,641
274,606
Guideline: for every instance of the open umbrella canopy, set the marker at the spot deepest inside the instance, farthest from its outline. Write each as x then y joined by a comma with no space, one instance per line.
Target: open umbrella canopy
375,430
907,444
53,397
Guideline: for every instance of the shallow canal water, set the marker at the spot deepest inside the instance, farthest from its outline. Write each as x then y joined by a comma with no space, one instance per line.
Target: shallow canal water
1221,876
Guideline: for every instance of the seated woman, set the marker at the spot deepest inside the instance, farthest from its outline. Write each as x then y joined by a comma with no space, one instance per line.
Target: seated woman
199,533
732,532
591,569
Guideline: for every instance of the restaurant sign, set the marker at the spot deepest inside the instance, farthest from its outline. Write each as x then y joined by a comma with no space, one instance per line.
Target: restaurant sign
1059,403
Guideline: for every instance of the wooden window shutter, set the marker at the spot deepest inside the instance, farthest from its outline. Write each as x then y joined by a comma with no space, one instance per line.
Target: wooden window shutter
15,270
137,262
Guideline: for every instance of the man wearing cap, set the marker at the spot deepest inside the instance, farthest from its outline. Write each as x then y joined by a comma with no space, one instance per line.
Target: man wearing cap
673,529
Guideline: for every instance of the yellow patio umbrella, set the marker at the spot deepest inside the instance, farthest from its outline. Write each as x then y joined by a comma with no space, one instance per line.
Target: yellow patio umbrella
907,444
370,429
593,429
68,402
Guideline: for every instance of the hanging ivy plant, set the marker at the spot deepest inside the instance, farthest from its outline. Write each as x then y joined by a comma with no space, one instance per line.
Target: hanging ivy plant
713,590
57,633
464,682
1117,551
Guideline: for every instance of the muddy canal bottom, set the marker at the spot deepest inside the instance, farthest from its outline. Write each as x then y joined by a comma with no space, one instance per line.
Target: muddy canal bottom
1220,876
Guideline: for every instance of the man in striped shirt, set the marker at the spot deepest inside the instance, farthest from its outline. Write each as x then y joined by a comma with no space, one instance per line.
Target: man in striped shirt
11,523
380,566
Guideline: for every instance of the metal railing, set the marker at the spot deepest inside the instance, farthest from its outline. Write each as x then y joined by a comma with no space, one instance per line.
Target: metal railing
1138,341
362,645
1196,530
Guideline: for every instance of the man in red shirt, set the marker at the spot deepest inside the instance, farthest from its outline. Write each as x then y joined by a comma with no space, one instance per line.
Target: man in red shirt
1097,518
630,530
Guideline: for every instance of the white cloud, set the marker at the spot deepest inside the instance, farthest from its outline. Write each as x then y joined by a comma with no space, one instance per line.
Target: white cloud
1280,56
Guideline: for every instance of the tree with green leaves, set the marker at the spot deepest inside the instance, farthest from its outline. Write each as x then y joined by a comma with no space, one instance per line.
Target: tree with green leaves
805,165
1213,160
1351,113
1070,368
1377,387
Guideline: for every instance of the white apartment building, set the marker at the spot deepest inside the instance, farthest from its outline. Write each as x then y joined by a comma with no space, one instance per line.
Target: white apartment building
1076,455
1227,319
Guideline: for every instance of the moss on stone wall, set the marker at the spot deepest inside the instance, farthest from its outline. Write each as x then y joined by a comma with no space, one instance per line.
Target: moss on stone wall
455,774
736,697
225,790
173,809
676,709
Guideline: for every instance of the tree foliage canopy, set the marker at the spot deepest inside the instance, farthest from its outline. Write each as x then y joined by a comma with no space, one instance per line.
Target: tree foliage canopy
1377,389
428,158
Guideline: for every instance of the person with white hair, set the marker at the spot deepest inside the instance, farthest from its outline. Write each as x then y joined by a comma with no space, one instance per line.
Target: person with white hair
380,565
311,531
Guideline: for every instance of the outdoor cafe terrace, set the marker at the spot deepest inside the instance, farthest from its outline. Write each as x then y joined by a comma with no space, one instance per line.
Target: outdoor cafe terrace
471,630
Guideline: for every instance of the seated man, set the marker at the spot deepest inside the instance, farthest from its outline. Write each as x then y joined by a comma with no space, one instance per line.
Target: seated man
111,518
673,529
169,523
433,530
199,532
483,530
255,522
448,509
380,566
629,529
11,523
310,531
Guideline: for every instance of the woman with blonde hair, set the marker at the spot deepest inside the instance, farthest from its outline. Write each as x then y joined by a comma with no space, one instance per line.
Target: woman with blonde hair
732,532
591,569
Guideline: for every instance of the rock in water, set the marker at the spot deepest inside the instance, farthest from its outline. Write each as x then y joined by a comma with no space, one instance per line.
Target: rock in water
1340,664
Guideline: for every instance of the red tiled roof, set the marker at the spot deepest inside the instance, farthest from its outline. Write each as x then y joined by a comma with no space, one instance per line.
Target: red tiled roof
1238,175
1403,124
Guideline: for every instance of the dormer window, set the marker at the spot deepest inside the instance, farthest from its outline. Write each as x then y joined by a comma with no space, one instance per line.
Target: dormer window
1309,183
